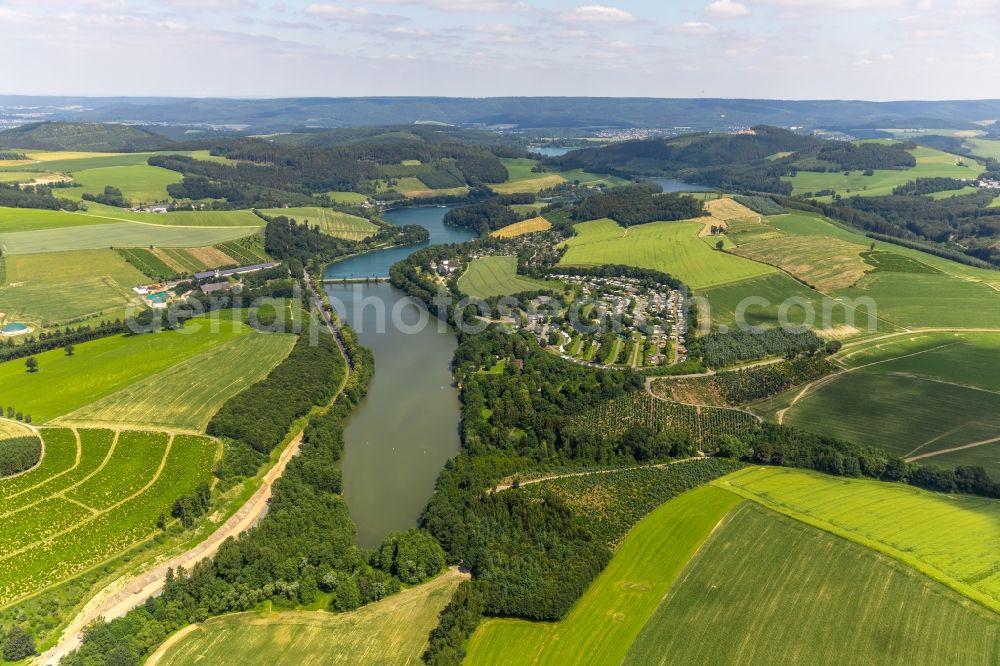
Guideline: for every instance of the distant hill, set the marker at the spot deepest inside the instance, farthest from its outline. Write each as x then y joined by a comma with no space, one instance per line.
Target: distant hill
272,115
662,156
83,137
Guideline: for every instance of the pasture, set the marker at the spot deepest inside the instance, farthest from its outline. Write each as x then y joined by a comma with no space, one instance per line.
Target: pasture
49,288
766,589
931,163
333,222
105,366
954,539
758,302
186,396
347,197
984,147
529,226
927,396
606,620
97,494
521,178
827,264
497,276
671,247
30,219
139,183
391,631
118,234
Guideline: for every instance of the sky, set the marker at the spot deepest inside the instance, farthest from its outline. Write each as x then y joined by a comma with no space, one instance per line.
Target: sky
789,49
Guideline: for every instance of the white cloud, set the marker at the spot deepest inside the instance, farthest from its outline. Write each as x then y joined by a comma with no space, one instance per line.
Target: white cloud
469,6
211,5
693,28
339,14
835,5
728,9
599,14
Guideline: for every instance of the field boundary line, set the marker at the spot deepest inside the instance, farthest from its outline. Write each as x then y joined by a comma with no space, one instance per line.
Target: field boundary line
99,513
836,376
38,464
62,491
918,565
973,445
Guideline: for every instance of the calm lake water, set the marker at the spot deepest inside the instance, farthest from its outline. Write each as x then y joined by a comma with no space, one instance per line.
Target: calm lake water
551,151
674,185
404,431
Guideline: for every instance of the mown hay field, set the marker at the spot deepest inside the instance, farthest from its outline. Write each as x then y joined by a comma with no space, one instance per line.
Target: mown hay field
671,247
187,395
333,222
117,234
766,589
101,367
528,226
69,514
58,287
497,276
954,539
392,631
606,620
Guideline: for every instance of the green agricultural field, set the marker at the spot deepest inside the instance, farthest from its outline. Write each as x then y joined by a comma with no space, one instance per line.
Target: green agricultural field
50,288
56,524
931,163
392,631
606,620
766,589
333,222
347,197
671,247
758,302
187,395
984,147
139,184
120,234
102,367
928,395
954,539
68,162
497,276
30,219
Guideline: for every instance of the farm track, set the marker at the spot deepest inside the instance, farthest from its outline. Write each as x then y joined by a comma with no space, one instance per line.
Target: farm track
973,445
527,482
123,595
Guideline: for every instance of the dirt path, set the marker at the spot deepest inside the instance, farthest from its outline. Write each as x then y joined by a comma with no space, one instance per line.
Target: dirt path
550,477
983,442
823,381
123,595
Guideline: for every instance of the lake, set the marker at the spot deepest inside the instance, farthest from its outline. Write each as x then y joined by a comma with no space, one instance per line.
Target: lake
674,185
550,151
400,436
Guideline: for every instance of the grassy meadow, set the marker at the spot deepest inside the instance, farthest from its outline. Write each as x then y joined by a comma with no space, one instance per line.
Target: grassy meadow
929,394
951,538
497,276
118,234
139,184
49,288
931,163
766,589
333,222
105,366
185,396
606,620
392,631
529,226
671,247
